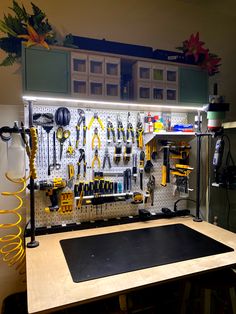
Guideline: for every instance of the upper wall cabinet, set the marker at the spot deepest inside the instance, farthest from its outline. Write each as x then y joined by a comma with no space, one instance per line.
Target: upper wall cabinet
193,85
46,71
87,75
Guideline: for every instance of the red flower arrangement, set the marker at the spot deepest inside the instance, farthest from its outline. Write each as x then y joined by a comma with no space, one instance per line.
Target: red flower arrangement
193,47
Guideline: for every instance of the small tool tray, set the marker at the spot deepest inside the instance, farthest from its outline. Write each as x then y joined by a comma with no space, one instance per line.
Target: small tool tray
104,255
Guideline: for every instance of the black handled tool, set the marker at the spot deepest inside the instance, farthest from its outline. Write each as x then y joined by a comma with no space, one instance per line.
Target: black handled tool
48,129
151,187
54,165
141,167
134,168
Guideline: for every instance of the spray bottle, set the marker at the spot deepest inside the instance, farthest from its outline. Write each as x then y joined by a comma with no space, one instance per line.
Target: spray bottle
16,155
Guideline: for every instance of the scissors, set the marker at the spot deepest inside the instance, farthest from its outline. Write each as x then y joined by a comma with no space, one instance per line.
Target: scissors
62,136
54,165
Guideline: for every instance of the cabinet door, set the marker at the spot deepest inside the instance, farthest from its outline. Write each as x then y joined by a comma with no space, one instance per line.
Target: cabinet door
46,71
193,85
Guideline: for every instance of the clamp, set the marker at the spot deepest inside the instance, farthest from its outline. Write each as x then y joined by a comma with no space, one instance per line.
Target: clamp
106,157
81,158
96,136
79,122
110,130
95,116
120,129
130,130
96,158
139,132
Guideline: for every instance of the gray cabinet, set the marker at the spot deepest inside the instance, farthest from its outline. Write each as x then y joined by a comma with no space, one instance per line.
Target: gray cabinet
193,85
46,71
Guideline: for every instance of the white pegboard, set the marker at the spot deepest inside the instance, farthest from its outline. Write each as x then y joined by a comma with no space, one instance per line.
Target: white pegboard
163,196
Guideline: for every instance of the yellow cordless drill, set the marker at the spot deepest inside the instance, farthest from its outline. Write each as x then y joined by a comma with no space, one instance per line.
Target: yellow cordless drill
52,187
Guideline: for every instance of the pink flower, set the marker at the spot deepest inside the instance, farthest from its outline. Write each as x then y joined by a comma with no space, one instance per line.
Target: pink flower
194,47
210,63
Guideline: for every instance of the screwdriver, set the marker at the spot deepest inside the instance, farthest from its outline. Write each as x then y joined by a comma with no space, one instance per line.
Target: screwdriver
141,167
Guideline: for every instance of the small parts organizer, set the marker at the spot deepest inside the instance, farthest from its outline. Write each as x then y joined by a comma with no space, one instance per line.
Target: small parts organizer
86,165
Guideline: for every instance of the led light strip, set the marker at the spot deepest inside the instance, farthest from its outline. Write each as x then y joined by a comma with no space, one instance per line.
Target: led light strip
109,103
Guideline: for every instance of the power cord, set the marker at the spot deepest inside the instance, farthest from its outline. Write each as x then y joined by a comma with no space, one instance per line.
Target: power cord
182,199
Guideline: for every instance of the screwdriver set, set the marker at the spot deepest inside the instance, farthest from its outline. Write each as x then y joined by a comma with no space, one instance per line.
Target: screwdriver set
103,157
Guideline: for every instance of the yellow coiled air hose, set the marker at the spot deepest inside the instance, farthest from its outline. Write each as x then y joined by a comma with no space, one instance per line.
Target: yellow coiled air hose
12,248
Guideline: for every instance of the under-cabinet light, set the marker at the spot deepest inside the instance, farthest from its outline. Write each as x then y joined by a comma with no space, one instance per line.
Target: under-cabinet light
113,103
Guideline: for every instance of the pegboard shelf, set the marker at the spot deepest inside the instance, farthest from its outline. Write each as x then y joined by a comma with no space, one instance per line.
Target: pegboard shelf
149,136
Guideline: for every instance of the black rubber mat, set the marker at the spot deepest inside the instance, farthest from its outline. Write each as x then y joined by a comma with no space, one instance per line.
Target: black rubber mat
114,253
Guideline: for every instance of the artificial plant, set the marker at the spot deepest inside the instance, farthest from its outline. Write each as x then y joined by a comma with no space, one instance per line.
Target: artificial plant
31,29
193,48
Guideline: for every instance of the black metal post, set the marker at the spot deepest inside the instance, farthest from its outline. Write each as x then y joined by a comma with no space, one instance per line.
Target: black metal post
33,243
198,179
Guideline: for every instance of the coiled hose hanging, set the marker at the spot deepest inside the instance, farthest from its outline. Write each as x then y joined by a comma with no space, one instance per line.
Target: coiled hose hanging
13,248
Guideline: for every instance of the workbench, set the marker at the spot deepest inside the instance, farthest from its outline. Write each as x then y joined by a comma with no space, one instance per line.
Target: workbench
49,281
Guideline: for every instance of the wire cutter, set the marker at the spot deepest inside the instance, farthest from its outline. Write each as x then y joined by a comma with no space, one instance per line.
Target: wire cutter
95,116
110,130
130,129
106,157
79,122
96,158
96,136
120,129
81,158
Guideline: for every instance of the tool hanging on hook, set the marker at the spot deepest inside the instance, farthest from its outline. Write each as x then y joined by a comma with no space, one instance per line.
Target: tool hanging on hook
80,121
120,129
110,131
129,130
81,158
62,136
96,136
95,117
139,132
47,129
54,165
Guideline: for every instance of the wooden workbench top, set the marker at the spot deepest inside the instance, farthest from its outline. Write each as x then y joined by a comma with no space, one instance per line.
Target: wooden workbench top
50,285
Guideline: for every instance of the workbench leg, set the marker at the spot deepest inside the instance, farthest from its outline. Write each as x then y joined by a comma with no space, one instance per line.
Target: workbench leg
185,297
207,301
123,303
233,299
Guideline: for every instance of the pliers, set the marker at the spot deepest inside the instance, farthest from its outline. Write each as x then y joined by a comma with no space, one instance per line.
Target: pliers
96,158
120,129
110,130
81,158
80,121
96,136
139,132
106,157
130,129
95,116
